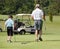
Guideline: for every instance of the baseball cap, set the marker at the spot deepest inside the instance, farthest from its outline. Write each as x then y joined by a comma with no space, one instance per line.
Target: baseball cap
37,5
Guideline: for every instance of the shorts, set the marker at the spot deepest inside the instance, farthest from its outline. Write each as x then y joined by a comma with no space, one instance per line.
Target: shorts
38,24
10,31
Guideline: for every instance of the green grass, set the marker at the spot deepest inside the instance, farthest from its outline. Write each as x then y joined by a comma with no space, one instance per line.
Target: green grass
51,38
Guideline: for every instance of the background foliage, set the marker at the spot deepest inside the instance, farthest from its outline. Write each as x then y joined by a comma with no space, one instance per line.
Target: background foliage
26,6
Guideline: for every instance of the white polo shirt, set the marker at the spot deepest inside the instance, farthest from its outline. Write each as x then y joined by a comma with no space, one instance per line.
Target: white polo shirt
37,14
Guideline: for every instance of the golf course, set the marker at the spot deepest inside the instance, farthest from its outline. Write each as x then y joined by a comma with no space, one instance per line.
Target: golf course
50,36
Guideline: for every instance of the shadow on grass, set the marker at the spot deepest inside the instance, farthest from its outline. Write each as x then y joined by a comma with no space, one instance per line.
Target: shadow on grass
48,33
27,42
52,40
24,42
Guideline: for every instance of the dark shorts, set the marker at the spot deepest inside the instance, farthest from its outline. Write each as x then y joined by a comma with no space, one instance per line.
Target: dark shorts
38,24
10,31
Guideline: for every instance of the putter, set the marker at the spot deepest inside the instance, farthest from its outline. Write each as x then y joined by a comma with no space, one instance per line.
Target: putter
45,25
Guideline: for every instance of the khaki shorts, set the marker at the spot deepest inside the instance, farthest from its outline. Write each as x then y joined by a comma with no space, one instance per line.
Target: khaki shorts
38,24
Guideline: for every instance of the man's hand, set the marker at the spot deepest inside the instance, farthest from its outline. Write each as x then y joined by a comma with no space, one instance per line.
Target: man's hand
44,18
32,18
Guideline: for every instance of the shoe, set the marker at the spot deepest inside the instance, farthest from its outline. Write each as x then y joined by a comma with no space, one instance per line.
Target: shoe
40,39
9,41
36,40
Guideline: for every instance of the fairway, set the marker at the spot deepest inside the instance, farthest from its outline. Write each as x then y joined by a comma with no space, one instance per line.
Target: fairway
51,38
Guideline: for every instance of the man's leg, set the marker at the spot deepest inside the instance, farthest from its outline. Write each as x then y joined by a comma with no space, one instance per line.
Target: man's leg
36,35
40,35
40,30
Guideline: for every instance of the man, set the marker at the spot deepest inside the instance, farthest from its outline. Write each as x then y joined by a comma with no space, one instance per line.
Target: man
9,24
37,15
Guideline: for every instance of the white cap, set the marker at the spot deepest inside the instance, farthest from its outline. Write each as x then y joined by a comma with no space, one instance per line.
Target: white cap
37,5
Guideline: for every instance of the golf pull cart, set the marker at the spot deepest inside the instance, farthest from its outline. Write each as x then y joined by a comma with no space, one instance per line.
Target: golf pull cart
23,24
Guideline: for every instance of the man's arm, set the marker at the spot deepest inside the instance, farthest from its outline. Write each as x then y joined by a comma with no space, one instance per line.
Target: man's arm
32,17
44,16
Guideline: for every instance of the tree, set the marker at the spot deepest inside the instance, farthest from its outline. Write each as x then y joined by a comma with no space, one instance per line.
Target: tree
26,6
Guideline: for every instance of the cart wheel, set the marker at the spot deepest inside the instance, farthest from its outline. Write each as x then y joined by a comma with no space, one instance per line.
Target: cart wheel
22,32
0,30
32,33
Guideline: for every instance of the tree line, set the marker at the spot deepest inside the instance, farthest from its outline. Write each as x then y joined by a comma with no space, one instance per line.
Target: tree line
26,6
